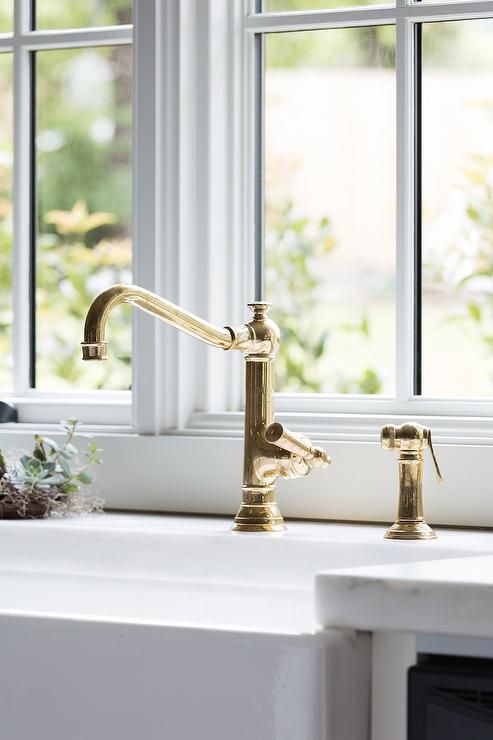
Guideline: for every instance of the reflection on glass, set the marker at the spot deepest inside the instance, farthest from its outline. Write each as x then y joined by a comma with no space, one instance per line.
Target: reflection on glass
329,207
458,209
86,14
6,146
285,6
83,161
6,16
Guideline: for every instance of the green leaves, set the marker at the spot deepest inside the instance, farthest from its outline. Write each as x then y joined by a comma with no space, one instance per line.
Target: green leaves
368,382
84,477
298,260
474,311
54,466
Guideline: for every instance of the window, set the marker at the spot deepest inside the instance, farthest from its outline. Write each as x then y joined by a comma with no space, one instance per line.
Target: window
66,199
330,156
374,229
333,159
373,213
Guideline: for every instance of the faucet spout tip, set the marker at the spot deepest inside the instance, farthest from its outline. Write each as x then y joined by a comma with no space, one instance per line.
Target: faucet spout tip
94,350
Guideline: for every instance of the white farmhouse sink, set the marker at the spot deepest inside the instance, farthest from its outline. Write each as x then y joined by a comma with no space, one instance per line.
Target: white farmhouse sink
133,626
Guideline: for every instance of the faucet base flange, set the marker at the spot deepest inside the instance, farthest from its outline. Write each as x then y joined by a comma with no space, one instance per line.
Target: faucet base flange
258,512
410,530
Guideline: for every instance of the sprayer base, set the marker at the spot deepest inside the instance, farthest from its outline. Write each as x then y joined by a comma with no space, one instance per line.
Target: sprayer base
410,530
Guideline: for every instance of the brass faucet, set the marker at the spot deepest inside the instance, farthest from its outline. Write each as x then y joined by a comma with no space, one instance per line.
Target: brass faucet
411,440
270,450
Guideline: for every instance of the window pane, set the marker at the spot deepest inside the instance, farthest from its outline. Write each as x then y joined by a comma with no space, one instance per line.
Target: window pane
284,6
458,209
329,207
6,145
89,13
83,147
6,16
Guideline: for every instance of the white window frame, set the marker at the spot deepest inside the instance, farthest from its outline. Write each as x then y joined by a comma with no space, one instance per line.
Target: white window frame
178,446
34,405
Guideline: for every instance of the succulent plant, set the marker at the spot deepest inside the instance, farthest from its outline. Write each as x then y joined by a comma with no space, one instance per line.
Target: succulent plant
55,473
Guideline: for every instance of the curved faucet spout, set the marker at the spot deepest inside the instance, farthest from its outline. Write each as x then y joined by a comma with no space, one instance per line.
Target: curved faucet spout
94,345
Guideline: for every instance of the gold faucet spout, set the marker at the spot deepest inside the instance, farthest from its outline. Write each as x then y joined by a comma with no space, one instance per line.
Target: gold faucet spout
94,344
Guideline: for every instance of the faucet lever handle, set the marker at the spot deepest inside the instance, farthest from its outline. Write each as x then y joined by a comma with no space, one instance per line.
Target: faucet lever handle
298,445
435,461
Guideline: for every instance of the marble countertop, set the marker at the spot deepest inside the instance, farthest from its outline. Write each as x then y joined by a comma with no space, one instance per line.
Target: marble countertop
452,596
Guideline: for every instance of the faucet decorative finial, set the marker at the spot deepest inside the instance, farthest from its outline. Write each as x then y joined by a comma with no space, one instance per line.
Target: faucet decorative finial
270,450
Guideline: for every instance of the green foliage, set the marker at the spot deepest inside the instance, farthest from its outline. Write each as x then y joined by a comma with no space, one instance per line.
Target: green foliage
467,270
72,272
292,261
368,382
298,255
6,16
372,46
84,204
84,139
53,468
63,14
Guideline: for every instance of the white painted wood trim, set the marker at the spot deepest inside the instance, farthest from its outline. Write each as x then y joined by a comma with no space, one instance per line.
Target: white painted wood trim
33,405
65,39
373,15
146,213
404,283
352,428
197,472
21,197
392,655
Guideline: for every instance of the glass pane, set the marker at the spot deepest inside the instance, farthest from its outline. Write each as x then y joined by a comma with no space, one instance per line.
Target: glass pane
458,209
330,207
86,14
284,6
83,148
6,16
6,146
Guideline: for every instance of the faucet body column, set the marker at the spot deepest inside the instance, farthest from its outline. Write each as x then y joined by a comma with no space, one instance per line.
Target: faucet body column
259,510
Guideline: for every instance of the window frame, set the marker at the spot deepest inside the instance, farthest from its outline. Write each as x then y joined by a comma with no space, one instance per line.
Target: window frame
32,404
196,135
406,15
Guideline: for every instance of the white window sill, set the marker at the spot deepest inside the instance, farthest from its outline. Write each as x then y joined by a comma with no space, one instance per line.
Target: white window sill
191,571
193,471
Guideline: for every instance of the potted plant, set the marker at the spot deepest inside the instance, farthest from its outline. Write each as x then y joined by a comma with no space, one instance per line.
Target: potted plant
55,479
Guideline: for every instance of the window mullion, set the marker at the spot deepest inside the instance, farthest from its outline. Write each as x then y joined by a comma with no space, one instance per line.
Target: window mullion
22,202
405,140
76,38
145,207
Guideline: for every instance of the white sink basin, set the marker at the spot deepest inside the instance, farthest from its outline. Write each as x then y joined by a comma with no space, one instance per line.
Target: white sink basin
203,550
177,626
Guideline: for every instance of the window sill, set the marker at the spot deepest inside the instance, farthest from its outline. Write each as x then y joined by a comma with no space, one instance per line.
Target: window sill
200,471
